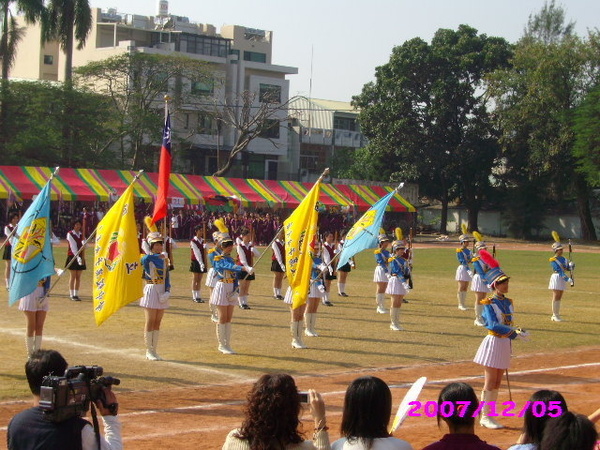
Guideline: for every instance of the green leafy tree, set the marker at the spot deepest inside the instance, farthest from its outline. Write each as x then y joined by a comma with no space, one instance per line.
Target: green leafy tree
426,113
587,138
136,84
535,101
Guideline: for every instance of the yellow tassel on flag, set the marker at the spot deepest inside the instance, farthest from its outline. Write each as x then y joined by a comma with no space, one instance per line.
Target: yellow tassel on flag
117,269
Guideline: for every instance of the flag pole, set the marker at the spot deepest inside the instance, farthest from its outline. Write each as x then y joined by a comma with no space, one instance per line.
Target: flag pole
168,243
92,234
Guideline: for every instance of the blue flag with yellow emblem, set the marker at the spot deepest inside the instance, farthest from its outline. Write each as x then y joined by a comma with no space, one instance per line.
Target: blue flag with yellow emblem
32,258
364,232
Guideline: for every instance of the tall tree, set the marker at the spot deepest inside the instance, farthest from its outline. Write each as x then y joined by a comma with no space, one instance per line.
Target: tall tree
553,70
428,108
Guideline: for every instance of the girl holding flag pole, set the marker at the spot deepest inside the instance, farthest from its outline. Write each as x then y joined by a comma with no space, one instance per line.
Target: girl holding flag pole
559,278
397,285
9,232
380,277
463,272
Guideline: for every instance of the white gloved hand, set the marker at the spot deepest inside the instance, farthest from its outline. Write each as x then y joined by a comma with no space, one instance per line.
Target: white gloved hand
389,277
406,285
352,264
522,334
571,265
164,297
470,272
321,288
80,260
249,269
282,267
165,254
322,267
202,267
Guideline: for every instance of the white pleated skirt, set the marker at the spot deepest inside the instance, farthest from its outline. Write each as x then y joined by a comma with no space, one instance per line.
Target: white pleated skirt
478,285
152,297
396,287
557,283
287,299
494,352
462,274
211,278
314,291
223,294
32,302
380,276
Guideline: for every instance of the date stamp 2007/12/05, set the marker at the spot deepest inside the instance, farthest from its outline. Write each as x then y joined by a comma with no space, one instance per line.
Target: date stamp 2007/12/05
504,409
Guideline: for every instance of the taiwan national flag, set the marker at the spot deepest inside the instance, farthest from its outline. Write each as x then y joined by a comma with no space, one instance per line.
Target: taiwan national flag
164,174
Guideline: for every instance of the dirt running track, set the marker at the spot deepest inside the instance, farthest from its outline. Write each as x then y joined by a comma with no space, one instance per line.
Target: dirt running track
201,417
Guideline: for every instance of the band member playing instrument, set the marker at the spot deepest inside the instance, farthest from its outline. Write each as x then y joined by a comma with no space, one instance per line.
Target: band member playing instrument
75,240
495,350
463,272
478,285
156,292
343,271
380,277
13,220
398,284
198,262
245,252
278,264
559,279
328,252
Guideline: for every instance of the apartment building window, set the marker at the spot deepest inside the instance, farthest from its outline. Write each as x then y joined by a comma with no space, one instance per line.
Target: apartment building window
255,57
344,123
272,129
197,44
269,93
206,124
202,88
48,60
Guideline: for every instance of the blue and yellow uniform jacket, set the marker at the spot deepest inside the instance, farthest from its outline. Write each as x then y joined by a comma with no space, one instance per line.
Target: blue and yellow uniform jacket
479,266
225,267
498,315
464,256
154,270
382,257
399,267
560,265
315,273
211,255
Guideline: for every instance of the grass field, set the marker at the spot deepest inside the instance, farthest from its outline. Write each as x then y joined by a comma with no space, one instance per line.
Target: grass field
352,335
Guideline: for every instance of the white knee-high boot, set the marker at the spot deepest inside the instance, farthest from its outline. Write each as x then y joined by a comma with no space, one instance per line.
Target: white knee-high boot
148,337
310,320
155,335
486,420
296,328
479,321
37,343
222,338
381,304
30,345
556,311
228,338
395,316
462,297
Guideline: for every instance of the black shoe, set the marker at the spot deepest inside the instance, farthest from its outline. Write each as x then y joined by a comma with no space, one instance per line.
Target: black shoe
405,301
279,297
198,300
343,294
327,303
75,298
245,307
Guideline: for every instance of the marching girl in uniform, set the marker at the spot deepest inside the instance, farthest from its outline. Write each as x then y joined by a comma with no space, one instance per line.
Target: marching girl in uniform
156,292
278,264
13,220
75,240
316,292
245,252
397,285
225,292
198,262
463,272
35,306
494,352
382,255
343,271
478,285
559,279
211,276
328,253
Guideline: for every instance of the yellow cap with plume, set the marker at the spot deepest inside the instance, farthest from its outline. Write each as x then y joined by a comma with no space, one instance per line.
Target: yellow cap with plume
464,228
555,236
399,234
220,224
150,225
478,236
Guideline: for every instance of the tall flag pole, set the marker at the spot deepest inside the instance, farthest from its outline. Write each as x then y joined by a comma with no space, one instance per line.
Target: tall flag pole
32,258
164,169
364,232
117,269
299,229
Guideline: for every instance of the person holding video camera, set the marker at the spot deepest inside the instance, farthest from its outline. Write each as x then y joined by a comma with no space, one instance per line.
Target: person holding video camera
31,429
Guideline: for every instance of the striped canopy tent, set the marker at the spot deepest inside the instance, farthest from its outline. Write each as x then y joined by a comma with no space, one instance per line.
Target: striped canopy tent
24,182
249,192
363,197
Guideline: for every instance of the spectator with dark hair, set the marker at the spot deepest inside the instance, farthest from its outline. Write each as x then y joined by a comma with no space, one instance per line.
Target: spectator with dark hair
271,418
31,430
569,432
533,426
460,419
366,417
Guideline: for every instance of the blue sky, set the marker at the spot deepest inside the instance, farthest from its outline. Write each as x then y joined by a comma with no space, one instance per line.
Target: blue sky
348,39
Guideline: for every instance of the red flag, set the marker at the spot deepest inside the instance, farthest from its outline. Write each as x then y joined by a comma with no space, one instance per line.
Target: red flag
164,173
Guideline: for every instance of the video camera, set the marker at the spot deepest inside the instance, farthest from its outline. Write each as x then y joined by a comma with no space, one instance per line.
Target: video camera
70,395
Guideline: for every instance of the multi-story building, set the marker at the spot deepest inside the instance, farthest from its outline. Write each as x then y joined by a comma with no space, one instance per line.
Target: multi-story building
239,58
320,130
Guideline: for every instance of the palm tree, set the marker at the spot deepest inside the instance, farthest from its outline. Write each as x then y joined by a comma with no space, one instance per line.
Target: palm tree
67,21
11,34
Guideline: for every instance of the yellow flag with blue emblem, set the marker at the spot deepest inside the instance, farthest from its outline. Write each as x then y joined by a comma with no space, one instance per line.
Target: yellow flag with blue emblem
117,269
299,230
